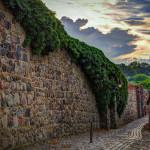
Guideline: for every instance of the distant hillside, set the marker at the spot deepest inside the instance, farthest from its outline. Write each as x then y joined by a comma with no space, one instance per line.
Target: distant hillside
135,68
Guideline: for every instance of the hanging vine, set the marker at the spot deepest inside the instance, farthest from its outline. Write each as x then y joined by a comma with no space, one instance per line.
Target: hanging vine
45,33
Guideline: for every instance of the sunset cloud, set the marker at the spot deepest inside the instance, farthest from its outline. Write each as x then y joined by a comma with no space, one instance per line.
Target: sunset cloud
135,23
113,44
99,19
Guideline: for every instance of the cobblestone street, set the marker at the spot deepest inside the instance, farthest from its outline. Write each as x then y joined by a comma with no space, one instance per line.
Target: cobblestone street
120,139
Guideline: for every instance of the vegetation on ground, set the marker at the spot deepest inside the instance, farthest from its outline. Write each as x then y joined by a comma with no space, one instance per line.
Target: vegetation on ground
45,33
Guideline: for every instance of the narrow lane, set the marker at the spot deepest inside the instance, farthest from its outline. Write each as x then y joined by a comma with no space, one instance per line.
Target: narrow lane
118,139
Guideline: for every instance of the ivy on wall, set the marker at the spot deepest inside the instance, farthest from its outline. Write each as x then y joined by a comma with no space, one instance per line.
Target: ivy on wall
45,33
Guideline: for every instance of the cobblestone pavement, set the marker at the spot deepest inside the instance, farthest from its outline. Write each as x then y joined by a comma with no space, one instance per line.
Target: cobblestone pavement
118,139
142,144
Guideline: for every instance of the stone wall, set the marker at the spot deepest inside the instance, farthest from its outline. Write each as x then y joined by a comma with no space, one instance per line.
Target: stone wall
137,107
137,103
145,106
131,111
40,97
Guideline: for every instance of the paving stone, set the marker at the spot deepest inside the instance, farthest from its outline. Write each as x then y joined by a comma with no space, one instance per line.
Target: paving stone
117,139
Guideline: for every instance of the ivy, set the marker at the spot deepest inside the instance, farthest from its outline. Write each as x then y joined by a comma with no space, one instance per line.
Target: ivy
45,33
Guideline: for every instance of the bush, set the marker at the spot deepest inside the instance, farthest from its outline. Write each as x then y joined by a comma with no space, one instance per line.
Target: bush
145,83
140,77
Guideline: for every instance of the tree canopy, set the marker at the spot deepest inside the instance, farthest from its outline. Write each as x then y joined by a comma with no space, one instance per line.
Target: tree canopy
135,68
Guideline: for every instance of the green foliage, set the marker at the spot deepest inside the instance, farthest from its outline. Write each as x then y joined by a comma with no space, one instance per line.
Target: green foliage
44,33
140,77
135,68
145,83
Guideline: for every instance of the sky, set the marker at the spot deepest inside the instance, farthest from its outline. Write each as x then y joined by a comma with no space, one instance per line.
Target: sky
120,28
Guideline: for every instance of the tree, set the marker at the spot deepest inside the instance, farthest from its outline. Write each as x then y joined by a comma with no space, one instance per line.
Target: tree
140,77
145,83
135,68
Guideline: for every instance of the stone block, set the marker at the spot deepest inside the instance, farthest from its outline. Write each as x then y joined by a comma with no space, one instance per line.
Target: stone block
23,100
4,122
4,67
3,103
21,120
10,100
30,99
29,88
10,122
18,48
25,58
18,55
5,143
15,122
7,25
13,85
3,52
10,113
16,98
2,22
2,84
27,113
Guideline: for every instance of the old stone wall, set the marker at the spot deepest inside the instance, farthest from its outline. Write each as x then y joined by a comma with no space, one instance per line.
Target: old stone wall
145,106
137,103
137,107
40,97
131,111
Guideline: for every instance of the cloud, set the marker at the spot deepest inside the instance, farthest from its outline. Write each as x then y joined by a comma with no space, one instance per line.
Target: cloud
69,3
110,24
76,25
113,44
135,23
135,18
147,32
